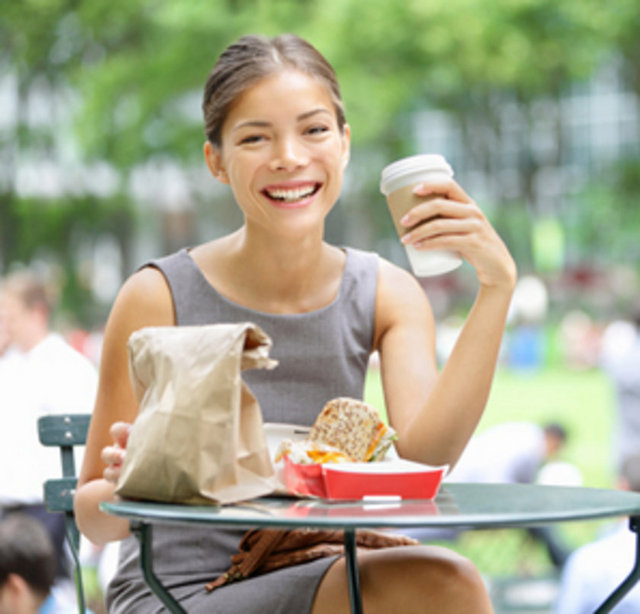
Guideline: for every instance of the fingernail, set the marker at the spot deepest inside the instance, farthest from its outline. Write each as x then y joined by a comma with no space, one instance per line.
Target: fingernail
405,239
405,220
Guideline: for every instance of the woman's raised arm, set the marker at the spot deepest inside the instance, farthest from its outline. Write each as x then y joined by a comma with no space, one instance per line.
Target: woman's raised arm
435,413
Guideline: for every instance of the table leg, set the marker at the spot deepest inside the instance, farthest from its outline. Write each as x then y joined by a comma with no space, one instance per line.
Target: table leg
352,571
143,532
633,577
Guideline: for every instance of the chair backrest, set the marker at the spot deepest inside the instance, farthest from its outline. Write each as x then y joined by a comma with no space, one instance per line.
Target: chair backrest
66,431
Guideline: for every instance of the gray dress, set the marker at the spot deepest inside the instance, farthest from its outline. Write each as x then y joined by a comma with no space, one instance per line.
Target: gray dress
322,354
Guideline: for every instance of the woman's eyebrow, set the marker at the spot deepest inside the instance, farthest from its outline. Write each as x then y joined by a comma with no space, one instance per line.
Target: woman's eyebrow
258,123
254,123
308,114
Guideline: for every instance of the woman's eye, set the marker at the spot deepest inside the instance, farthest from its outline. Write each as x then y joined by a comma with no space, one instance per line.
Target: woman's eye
317,129
252,138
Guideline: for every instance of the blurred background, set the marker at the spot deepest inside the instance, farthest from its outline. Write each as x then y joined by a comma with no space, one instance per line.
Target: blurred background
536,104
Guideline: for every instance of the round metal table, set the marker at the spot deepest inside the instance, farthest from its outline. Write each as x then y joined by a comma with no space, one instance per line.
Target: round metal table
465,506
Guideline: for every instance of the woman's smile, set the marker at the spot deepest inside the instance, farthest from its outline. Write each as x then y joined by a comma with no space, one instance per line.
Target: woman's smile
292,195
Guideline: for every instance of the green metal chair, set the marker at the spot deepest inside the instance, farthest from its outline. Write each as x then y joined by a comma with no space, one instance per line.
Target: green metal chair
66,431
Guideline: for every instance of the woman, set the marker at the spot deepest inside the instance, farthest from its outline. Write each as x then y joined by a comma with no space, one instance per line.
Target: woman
276,133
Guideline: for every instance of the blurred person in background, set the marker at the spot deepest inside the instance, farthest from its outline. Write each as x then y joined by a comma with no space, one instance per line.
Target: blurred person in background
27,565
5,339
593,571
511,453
580,338
516,452
619,359
9,356
529,307
44,376
27,568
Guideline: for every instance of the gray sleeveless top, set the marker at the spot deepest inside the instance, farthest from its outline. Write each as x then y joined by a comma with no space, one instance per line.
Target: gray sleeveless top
321,355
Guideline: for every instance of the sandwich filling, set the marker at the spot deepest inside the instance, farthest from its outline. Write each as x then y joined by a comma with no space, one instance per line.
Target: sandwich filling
345,430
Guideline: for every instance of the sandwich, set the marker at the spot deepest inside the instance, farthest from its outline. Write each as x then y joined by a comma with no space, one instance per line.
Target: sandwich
355,428
346,430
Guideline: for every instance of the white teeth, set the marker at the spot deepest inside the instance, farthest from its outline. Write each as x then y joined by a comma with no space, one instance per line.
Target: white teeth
291,195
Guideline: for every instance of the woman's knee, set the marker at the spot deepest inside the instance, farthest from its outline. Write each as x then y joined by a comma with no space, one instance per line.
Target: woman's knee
410,580
461,585
429,579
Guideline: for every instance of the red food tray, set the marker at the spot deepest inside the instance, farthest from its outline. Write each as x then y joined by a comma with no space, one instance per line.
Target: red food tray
353,481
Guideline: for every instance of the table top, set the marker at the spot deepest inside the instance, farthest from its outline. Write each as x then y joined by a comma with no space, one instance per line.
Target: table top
456,505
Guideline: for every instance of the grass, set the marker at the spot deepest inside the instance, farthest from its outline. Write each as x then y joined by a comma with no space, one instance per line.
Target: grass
580,400
583,402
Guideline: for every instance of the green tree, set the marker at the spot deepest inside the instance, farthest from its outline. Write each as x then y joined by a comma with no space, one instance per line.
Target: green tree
42,47
138,67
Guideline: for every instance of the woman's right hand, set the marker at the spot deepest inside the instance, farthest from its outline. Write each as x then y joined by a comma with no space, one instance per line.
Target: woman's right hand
113,456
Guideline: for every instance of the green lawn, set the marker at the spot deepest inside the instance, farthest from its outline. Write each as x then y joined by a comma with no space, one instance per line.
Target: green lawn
583,402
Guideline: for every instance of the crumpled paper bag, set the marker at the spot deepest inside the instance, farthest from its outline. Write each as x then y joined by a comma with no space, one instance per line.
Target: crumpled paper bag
199,437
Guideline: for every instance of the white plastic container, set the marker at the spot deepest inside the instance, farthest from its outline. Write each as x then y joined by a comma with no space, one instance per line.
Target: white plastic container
397,182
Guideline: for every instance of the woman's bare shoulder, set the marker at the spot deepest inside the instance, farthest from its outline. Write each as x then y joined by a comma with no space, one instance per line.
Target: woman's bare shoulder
400,301
144,300
397,284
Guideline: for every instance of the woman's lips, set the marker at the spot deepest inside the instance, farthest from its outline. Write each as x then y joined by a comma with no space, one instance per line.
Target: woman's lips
291,196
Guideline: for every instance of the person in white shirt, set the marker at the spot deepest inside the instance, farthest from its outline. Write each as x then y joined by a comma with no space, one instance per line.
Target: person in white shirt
39,374
512,452
507,453
593,571
619,359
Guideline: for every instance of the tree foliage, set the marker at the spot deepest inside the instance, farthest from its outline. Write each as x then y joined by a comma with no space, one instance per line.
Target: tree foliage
134,71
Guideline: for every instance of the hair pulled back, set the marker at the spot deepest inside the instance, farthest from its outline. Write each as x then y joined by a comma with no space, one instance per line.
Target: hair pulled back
255,57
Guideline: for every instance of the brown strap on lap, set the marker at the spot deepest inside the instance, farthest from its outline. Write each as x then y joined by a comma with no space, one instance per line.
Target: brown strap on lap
264,550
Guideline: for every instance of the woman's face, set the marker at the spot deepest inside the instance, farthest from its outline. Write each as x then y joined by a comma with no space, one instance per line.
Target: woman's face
282,153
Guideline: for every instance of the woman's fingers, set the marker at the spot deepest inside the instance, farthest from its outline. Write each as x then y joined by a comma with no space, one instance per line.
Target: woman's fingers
439,223
434,217
439,234
113,456
449,190
119,432
445,217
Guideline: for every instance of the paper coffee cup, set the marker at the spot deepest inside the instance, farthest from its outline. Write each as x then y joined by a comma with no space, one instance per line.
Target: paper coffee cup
397,183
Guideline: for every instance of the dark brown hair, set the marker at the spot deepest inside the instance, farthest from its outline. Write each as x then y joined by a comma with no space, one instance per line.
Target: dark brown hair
252,58
26,550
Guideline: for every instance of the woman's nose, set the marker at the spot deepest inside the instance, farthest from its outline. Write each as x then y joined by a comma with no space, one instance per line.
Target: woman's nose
288,155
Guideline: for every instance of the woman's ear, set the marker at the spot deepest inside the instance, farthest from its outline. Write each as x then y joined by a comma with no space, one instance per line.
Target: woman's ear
213,158
346,145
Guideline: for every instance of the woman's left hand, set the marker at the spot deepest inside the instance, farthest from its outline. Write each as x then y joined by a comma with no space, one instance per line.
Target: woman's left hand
449,219
113,455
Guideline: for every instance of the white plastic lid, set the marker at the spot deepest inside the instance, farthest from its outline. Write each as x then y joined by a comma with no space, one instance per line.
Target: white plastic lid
413,169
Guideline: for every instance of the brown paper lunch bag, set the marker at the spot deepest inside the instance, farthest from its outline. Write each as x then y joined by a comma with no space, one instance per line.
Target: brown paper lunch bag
199,436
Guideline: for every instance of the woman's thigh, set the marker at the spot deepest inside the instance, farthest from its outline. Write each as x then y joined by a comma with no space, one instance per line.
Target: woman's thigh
410,579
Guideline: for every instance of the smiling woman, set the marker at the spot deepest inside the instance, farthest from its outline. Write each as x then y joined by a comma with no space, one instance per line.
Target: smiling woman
277,135
282,147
